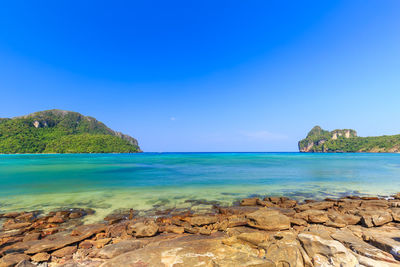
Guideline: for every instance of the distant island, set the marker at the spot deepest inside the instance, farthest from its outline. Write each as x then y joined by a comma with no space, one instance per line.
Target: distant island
60,131
346,140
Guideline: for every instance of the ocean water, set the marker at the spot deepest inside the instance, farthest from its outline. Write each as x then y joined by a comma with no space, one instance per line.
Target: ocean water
159,181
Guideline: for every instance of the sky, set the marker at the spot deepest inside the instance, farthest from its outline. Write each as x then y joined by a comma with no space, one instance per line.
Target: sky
205,75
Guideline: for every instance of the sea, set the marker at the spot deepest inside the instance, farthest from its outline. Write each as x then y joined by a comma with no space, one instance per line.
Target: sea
148,182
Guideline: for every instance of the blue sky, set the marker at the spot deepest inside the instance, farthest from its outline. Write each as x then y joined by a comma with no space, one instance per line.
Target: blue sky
206,75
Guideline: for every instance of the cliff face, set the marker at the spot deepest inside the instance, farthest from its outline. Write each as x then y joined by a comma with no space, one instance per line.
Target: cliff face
317,139
60,131
346,140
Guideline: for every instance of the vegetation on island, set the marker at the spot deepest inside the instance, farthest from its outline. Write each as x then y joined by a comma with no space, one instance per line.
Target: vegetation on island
58,131
346,140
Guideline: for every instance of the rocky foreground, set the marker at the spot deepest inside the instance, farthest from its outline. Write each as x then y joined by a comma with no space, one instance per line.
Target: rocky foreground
275,231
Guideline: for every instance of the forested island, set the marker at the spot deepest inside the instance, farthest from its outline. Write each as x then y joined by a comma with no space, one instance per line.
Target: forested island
60,131
346,140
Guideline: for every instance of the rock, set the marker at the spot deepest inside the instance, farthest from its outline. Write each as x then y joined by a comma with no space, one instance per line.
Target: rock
174,229
10,260
254,238
374,204
25,263
190,250
113,250
264,203
248,202
298,221
397,196
235,221
369,198
334,224
63,239
13,226
86,244
64,252
375,218
327,252
56,219
146,229
396,214
358,246
100,243
202,220
323,205
31,236
268,220
313,216
40,257
289,203
385,238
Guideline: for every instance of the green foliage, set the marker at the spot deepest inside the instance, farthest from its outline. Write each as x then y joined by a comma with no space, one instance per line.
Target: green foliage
353,144
60,132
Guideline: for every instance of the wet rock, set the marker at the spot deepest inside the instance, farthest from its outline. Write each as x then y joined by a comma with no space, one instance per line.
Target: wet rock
113,250
369,198
268,220
13,225
327,252
289,203
264,203
10,260
40,257
324,205
63,239
56,219
143,229
64,252
248,202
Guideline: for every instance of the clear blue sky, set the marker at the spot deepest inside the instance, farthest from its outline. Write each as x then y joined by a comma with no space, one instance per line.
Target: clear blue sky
206,75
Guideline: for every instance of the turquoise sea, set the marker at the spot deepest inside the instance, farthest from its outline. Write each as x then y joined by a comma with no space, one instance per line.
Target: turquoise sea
151,181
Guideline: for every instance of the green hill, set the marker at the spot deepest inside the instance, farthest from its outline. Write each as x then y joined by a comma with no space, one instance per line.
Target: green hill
59,131
346,140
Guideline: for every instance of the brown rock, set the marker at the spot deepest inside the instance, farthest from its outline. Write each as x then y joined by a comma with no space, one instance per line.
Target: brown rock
174,229
40,257
298,221
56,219
248,202
327,252
313,216
237,220
75,215
202,220
141,229
264,203
397,196
86,244
288,204
254,238
375,218
31,236
370,198
268,220
357,245
64,252
25,263
10,260
63,239
100,243
113,250
13,226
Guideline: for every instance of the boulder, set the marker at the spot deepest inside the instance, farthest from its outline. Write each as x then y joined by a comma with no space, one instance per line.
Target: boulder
375,218
327,252
143,229
25,263
268,220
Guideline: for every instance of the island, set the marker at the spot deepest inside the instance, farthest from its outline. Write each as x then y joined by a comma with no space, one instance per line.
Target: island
60,131
346,140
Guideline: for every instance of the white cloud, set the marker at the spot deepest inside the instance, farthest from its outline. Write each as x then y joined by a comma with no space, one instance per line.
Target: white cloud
172,118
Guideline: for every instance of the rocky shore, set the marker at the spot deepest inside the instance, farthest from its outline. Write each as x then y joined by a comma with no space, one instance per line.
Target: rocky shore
273,231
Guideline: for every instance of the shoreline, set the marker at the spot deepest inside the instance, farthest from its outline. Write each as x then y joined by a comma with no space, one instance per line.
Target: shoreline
256,231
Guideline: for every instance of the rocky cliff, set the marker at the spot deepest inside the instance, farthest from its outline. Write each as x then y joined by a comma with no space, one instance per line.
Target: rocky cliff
60,131
346,140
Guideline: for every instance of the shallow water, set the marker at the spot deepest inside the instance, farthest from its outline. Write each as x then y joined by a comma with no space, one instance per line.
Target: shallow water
108,182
